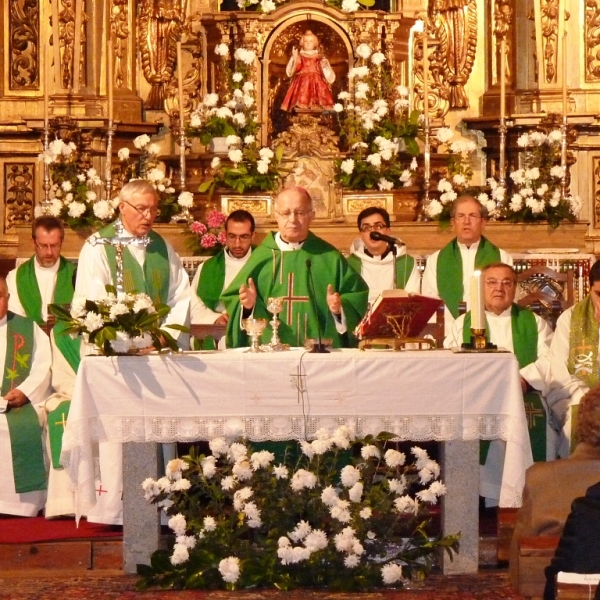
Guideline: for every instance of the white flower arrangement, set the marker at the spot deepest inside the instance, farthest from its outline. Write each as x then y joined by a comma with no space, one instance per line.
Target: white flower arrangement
74,193
234,118
118,323
241,520
535,190
375,122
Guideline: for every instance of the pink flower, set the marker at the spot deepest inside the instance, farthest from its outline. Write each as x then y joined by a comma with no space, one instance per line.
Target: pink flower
222,238
209,240
215,219
199,228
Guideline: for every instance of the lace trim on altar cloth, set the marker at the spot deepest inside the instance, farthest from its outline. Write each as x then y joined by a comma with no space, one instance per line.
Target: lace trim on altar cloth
264,428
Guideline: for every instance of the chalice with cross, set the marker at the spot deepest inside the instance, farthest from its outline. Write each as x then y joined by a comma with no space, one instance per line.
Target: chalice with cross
275,306
254,328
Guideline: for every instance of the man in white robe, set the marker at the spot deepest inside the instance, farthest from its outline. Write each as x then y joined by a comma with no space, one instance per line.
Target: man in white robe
527,335
31,373
448,271
214,275
155,270
383,265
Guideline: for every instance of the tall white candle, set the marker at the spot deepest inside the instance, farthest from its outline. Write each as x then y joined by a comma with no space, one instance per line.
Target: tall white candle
46,85
180,84
565,104
502,78
425,77
109,72
477,304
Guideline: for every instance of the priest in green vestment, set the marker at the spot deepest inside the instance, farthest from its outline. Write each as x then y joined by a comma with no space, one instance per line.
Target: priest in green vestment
25,356
319,288
382,264
448,271
521,331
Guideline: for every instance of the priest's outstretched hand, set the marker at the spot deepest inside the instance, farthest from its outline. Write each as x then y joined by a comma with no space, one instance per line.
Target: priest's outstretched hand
334,301
16,398
248,294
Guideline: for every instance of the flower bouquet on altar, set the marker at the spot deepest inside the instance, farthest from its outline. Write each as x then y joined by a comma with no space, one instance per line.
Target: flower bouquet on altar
241,520
75,188
118,323
208,238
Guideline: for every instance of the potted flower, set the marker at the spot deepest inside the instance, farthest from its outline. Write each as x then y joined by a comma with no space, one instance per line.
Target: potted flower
242,520
209,237
118,323
536,193
376,125
248,167
75,190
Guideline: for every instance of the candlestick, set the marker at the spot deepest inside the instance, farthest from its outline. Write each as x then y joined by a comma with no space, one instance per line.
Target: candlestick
565,105
46,89
477,304
502,128
502,78
109,73
425,76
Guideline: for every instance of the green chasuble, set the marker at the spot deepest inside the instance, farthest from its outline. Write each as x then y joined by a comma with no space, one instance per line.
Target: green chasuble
212,280
404,267
23,425
153,278
449,272
583,343
525,340
284,274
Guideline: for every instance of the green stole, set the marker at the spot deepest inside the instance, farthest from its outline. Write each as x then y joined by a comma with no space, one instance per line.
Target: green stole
525,340
404,268
23,425
153,278
284,273
31,301
449,271
583,343
212,280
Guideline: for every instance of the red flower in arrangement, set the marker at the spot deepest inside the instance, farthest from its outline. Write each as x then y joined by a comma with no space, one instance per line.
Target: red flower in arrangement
222,238
198,228
209,240
215,219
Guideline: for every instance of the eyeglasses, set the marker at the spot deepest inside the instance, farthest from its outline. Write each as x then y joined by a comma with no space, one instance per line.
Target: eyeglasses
470,217
45,247
243,238
375,227
492,283
147,212
300,214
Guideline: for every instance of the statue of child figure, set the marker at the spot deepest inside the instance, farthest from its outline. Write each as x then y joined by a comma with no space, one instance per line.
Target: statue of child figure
311,73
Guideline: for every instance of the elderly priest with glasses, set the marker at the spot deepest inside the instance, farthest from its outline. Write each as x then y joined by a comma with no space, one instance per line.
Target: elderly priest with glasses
154,269
319,288
448,271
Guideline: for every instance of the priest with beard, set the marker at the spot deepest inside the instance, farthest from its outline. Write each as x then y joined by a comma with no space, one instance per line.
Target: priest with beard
320,289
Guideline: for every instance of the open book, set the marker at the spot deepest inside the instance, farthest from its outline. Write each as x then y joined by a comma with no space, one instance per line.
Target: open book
396,313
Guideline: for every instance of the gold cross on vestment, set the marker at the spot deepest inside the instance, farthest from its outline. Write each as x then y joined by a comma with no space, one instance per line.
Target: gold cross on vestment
290,298
532,414
62,422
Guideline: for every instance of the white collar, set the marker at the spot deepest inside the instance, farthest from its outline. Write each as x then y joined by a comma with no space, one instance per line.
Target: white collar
473,246
52,269
233,259
283,245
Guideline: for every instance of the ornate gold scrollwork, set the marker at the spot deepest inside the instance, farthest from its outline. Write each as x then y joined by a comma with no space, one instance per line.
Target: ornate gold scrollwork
592,41
549,11
503,20
160,26
119,20
66,28
24,48
18,183
455,25
596,171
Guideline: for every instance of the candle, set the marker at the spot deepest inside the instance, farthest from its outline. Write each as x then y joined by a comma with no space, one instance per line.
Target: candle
180,84
477,304
77,49
564,70
425,76
503,78
109,72
46,87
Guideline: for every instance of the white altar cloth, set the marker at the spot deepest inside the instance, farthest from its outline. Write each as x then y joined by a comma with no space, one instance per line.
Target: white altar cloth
427,395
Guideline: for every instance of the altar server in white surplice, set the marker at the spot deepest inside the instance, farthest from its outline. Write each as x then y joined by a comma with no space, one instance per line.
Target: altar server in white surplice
528,336
25,356
155,270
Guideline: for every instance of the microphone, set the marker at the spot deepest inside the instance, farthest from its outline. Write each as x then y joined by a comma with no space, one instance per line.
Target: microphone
318,348
381,237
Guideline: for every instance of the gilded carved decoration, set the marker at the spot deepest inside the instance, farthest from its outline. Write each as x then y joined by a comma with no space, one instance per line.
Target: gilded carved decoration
439,91
596,191
549,10
160,27
307,136
66,28
592,41
24,49
19,197
503,22
119,22
455,26
259,206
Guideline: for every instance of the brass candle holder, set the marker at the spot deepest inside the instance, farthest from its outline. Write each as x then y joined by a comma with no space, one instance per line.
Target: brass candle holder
478,341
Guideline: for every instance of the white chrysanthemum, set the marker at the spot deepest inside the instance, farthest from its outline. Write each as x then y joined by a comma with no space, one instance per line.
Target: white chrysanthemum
78,307
239,118
248,87
118,309
434,208
228,483
555,136
182,485
235,155
391,573
237,77
266,153
230,569
459,179
406,505
180,554
186,199
385,185
370,451
209,466
350,6
351,561
103,210
215,162
532,174
444,185
355,492
364,51
366,513
397,485
218,446
262,459
338,108
177,524
378,58
93,321
316,540
153,149
523,140
557,171
444,134
374,159
76,209
141,141
349,476
347,166
393,458
329,496
300,531
303,479
246,56
224,112
242,470
123,153
281,472
222,50
236,452
209,524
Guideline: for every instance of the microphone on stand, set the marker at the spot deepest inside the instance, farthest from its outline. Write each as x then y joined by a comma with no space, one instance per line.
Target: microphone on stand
381,237
317,348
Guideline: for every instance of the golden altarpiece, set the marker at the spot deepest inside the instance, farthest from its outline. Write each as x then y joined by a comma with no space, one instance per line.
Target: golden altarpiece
55,62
